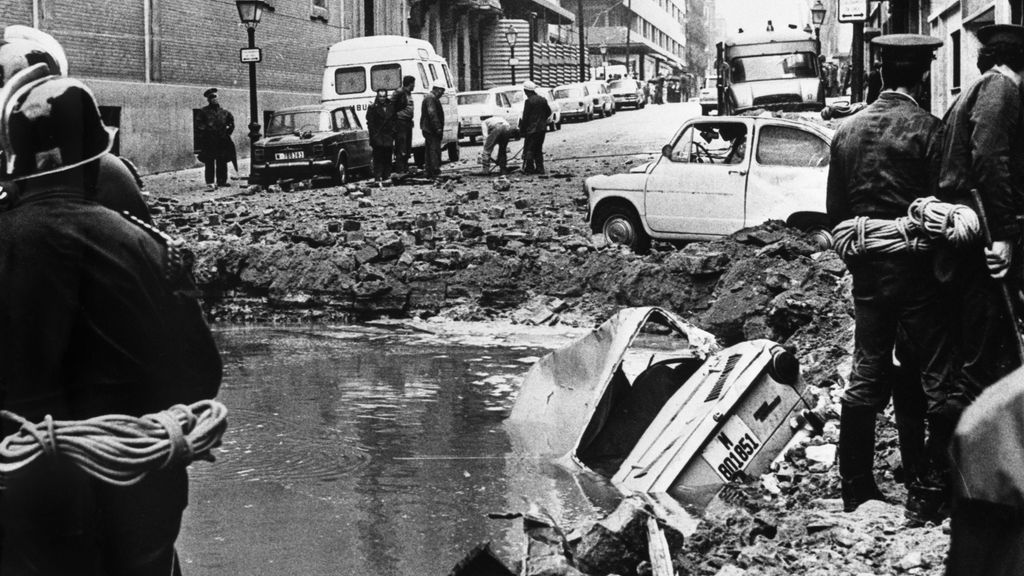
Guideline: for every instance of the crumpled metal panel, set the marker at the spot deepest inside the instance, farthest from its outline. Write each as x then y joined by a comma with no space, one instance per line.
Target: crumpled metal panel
561,391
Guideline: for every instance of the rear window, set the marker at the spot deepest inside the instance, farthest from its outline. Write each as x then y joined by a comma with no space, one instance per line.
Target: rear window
350,80
386,77
569,93
472,99
291,122
629,84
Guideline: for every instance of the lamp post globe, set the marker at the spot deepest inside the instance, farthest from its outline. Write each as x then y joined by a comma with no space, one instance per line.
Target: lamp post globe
818,12
510,36
250,12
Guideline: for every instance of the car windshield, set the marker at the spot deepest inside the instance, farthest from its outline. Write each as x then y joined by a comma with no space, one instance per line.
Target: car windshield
627,84
305,121
773,67
569,93
472,99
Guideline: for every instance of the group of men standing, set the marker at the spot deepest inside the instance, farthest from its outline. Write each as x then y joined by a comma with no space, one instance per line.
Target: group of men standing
389,120
942,314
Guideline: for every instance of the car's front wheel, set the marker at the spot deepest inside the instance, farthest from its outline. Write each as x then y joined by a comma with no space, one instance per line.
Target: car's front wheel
620,224
340,175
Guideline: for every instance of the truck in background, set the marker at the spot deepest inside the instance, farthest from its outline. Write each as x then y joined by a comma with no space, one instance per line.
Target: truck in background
773,70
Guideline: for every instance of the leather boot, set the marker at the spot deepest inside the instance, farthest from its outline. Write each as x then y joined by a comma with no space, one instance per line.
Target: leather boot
909,408
857,456
928,498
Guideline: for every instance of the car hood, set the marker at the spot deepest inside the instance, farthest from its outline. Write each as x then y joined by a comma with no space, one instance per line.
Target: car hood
293,140
632,180
747,92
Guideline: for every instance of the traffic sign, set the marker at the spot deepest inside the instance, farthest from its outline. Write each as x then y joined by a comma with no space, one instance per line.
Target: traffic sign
853,10
250,55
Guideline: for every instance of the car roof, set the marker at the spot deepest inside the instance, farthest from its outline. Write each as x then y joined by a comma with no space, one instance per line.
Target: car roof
309,108
761,120
570,85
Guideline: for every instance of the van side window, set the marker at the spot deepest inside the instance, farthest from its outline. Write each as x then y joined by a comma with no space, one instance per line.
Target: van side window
447,75
424,81
433,71
385,77
350,80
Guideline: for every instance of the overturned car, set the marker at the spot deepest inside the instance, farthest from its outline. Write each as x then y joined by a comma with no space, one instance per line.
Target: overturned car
652,403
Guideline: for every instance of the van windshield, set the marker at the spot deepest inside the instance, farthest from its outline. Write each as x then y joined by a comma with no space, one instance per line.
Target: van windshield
569,93
350,80
291,122
773,67
471,99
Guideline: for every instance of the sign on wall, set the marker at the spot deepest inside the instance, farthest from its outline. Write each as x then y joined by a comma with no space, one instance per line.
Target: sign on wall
853,10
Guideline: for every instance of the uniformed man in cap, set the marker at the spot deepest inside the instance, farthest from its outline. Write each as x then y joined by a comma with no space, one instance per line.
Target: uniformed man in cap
984,150
882,159
216,149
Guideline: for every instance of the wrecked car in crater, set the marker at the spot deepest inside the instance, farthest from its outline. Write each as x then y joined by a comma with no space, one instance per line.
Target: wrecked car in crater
654,404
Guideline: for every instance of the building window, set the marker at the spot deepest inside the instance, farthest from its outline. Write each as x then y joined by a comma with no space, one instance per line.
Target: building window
319,11
954,50
368,18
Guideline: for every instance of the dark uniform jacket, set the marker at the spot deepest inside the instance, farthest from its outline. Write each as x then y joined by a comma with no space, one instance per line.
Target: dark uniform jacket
432,115
215,125
380,122
984,149
97,316
401,105
535,115
880,173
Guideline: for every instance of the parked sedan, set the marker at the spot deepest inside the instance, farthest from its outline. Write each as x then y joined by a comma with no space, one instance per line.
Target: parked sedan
627,92
716,176
575,101
604,102
555,118
308,142
477,106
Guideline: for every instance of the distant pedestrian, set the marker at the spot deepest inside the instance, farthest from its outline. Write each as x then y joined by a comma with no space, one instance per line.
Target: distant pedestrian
659,91
496,131
402,108
533,126
214,127
380,124
432,125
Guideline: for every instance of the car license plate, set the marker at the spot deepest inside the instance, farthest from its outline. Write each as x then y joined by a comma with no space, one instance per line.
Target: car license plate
288,155
732,449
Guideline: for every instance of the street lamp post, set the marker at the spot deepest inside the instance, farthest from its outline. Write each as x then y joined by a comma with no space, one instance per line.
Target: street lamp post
604,61
533,27
250,12
818,12
510,37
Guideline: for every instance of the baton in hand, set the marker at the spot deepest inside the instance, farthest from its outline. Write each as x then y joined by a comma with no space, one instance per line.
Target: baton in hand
1003,287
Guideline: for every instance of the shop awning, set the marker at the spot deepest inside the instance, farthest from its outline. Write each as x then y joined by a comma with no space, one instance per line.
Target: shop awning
553,6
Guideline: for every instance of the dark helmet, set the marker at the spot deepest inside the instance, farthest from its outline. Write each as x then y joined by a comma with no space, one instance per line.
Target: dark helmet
22,47
49,124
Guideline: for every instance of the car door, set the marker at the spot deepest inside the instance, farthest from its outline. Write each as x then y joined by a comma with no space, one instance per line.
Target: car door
789,173
698,188
355,138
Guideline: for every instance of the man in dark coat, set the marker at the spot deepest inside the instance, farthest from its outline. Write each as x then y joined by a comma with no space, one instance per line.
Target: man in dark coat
98,316
983,150
533,126
380,124
402,108
432,125
215,125
883,158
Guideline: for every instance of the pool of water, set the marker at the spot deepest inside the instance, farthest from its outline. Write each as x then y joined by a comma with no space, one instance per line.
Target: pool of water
368,451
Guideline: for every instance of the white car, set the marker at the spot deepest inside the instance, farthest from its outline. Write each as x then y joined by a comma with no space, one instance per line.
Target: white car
717,176
627,92
574,101
604,102
476,106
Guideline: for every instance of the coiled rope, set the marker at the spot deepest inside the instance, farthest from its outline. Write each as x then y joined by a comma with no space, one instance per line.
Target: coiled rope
928,222
118,449
956,223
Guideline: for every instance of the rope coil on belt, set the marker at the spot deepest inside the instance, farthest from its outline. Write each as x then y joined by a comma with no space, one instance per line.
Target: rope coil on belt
956,223
118,449
928,222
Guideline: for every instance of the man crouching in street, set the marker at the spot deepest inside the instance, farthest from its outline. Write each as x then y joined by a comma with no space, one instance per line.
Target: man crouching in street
97,316
496,132
882,159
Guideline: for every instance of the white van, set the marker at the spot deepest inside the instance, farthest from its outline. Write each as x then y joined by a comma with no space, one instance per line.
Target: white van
357,68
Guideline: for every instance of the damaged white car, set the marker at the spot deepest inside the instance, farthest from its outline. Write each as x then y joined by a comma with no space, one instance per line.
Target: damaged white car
717,176
653,404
